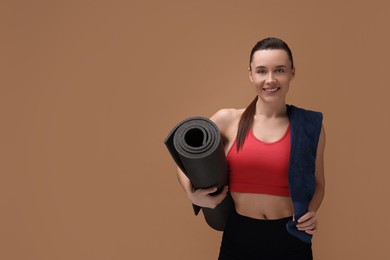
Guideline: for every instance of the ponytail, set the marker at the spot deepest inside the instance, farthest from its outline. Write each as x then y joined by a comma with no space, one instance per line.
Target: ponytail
246,122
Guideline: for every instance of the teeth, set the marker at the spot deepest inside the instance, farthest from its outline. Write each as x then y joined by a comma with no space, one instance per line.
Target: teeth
271,89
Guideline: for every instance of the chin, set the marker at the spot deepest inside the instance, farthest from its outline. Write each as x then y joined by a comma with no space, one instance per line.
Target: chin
272,99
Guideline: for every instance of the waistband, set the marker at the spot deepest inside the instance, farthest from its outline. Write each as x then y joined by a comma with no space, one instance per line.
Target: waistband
265,221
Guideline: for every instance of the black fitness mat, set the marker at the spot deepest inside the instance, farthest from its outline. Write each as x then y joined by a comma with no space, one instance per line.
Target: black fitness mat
196,146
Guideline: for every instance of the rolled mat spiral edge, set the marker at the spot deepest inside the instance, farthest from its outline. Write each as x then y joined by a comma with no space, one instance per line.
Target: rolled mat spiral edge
195,145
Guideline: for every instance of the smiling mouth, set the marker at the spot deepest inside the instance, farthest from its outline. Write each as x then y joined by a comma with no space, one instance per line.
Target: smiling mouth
270,90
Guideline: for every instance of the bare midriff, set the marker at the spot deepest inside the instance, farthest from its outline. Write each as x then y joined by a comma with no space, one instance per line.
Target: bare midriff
262,206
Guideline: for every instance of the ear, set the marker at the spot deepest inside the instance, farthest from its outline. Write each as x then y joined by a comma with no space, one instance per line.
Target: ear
250,74
292,73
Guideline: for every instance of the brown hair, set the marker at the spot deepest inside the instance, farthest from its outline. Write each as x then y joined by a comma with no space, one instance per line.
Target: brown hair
246,120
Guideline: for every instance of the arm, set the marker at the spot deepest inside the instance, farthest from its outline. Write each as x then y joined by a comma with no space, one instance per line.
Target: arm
308,222
320,176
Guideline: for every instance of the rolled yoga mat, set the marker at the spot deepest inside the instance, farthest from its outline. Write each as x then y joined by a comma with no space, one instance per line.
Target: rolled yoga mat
196,146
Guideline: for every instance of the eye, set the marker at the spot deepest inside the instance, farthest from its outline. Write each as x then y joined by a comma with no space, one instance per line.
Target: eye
279,70
261,71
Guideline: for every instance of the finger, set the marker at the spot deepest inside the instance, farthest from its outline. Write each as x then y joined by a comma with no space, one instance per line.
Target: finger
225,189
308,223
221,195
308,227
208,190
307,216
213,191
311,231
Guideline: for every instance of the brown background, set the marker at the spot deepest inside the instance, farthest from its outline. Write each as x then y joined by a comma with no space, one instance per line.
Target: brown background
89,90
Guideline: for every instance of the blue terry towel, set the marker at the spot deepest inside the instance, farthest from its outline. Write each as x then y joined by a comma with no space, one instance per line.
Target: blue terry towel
305,131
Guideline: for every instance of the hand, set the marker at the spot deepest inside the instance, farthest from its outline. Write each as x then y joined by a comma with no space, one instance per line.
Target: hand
204,197
308,223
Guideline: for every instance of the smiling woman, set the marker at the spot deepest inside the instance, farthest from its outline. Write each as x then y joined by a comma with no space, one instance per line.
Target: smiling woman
274,153
271,72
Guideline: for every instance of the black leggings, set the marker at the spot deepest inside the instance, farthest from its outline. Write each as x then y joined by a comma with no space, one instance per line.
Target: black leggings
246,238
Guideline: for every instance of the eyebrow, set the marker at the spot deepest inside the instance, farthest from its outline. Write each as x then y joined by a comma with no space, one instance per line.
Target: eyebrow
263,67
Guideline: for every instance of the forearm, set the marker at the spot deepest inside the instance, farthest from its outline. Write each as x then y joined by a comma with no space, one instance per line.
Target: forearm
317,198
320,175
185,183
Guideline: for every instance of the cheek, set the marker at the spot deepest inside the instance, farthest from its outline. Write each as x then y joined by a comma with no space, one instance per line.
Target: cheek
285,81
258,87
258,79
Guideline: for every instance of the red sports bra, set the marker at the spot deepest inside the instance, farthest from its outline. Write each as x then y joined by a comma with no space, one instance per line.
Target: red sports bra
260,167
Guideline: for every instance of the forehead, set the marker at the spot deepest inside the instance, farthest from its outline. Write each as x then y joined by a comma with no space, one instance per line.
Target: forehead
270,58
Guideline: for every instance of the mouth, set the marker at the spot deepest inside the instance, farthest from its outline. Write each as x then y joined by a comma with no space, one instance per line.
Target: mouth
271,90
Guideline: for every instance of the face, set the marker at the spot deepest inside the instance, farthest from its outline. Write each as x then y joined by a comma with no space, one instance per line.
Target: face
271,74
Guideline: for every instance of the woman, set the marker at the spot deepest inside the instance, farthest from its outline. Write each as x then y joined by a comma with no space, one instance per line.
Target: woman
257,146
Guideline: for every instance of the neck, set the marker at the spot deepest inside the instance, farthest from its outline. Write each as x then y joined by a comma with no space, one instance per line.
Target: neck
269,110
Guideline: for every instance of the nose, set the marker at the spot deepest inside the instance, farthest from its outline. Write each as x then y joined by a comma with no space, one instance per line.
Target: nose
270,78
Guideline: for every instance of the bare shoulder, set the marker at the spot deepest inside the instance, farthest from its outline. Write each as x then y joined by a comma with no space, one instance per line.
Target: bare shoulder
226,118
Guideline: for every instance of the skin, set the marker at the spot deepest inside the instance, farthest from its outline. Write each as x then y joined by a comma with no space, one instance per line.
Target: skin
270,74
